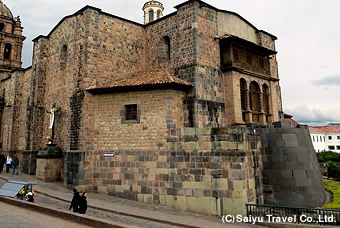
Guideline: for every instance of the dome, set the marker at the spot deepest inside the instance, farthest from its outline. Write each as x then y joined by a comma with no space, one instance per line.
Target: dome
4,11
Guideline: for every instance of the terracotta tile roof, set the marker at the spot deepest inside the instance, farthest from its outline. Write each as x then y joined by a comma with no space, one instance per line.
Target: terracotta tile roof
289,118
332,128
144,79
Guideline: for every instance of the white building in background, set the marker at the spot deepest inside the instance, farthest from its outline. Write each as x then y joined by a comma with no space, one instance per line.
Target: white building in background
326,138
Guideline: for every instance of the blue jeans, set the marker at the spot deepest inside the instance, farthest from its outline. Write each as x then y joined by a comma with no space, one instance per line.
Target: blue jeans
15,169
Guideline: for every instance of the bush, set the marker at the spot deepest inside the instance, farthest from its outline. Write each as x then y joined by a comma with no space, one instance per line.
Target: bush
333,171
328,156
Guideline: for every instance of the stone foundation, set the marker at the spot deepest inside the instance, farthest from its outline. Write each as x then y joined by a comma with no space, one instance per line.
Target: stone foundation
49,169
74,174
29,162
207,171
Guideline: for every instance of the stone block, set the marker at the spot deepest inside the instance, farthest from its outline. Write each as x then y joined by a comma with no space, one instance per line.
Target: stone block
240,206
228,206
204,146
170,201
220,183
118,188
204,205
140,197
188,131
192,204
240,185
102,190
207,178
203,131
194,185
162,200
148,198
180,203
239,195
214,202
190,145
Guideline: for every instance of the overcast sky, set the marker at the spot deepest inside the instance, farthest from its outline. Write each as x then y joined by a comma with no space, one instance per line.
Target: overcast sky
308,42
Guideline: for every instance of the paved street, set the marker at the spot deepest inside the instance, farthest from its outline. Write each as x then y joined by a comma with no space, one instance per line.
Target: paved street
13,216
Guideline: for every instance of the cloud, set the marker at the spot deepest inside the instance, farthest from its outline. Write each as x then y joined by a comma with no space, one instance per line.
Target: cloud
329,80
312,116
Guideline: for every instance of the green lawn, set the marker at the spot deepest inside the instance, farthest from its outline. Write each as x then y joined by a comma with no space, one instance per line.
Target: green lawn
333,187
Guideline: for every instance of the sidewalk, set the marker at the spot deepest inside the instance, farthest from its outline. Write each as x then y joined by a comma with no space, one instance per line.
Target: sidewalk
124,206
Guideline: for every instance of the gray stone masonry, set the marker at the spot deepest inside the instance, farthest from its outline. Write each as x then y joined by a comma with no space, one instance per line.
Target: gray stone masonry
291,175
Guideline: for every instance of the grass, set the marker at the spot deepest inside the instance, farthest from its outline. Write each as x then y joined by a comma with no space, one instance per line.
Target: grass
333,187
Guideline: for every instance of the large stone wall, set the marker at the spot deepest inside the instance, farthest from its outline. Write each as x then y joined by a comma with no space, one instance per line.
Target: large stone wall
291,174
202,170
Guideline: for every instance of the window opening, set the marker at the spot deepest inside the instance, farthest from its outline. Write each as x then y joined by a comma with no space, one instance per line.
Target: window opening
131,112
7,53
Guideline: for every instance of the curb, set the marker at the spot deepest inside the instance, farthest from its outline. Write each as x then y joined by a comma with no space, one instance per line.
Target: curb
78,218
123,213
117,212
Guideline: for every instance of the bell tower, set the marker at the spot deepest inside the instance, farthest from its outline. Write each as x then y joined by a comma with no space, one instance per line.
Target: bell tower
153,10
11,40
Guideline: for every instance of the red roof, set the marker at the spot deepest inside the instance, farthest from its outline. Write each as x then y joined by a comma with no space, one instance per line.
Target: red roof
335,128
288,118
148,78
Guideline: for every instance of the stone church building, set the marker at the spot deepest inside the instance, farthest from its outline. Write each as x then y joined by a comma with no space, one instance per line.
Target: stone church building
165,112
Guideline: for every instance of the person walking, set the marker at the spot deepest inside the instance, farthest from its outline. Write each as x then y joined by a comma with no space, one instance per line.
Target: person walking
83,203
2,161
15,165
8,163
75,201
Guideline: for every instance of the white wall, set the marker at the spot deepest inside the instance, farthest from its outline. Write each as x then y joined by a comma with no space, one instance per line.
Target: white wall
324,145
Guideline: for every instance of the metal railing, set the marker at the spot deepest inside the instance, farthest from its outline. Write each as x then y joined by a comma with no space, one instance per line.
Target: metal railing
300,215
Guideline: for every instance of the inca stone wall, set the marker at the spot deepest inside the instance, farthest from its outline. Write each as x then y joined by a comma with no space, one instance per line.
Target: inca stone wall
202,170
74,174
291,174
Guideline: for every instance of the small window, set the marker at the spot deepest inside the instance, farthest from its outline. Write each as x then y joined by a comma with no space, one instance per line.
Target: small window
331,147
313,139
317,138
63,57
324,139
158,14
164,49
338,137
150,15
338,147
7,52
329,137
131,112
2,26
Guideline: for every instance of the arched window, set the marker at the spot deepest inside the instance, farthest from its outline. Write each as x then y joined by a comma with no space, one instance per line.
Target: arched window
243,88
164,49
2,26
266,99
158,14
254,97
150,15
243,92
63,57
7,51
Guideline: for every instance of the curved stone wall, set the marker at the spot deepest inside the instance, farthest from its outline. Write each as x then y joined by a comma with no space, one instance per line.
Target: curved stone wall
291,174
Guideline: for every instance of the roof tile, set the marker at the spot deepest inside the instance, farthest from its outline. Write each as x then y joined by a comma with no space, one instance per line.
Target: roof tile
335,128
147,78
